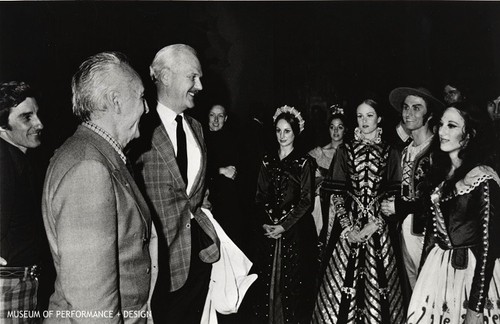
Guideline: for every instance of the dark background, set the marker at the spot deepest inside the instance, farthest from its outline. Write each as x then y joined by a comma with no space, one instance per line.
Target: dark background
257,55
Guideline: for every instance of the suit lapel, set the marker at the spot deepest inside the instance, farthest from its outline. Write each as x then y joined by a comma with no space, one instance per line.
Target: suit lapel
119,171
165,148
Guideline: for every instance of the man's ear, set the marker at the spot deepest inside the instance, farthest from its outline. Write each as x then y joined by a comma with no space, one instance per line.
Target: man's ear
166,76
113,101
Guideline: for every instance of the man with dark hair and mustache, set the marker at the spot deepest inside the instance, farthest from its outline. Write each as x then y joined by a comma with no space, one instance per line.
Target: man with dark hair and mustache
20,215
417,106
171,168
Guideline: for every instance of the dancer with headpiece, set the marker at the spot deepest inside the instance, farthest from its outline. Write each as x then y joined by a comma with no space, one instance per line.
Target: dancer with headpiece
418,109
287,250
337,128
360,282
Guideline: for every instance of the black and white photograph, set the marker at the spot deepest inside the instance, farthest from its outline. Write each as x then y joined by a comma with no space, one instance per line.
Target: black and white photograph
250,162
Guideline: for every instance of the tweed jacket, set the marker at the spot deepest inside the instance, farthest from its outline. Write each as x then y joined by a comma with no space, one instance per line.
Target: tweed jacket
171,206
100,233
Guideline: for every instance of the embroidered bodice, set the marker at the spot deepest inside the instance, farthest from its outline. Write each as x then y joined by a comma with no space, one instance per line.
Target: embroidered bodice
367,172
285,188
467,219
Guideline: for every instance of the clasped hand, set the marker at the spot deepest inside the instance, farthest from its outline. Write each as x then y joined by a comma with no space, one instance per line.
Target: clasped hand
387,207
273,231
363,235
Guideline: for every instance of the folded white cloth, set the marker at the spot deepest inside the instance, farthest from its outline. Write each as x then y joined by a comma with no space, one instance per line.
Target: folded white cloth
229,280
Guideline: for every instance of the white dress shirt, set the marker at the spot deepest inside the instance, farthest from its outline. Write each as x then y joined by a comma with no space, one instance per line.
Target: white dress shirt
167,117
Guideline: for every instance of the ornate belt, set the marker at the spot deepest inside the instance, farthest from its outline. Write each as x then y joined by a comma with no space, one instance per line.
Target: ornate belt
23,273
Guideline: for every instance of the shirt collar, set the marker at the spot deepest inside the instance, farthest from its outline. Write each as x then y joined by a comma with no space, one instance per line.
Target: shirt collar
101,132
401,133
167,113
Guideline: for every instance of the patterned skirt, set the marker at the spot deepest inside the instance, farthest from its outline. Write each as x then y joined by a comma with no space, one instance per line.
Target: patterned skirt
360,283
441,291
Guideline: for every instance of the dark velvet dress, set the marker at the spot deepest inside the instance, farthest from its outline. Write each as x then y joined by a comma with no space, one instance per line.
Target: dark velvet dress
361,281
286,266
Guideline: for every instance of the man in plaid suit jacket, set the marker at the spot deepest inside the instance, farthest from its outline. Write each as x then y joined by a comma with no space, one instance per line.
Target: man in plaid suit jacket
188,243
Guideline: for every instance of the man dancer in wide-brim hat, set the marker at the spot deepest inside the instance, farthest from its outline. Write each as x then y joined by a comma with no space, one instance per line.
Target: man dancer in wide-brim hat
417,107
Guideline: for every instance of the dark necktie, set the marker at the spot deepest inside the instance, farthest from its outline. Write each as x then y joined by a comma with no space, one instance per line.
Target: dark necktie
181,149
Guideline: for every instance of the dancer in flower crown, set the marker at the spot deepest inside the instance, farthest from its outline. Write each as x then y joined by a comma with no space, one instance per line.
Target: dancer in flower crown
287,250
324,156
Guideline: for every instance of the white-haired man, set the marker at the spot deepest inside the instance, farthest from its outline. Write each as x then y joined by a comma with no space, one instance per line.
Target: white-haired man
171,170
98,224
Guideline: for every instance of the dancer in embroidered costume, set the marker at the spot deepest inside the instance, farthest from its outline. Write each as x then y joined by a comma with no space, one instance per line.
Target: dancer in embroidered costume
460,279
324,156
287,251
417,107
361,281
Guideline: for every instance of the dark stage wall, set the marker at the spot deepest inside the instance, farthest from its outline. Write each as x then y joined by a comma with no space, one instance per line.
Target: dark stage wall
257,54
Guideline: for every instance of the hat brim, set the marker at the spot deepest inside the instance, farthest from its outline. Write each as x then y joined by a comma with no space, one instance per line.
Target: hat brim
398,95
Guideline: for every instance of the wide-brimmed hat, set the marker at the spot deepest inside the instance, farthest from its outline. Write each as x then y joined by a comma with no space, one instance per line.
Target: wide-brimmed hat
398,96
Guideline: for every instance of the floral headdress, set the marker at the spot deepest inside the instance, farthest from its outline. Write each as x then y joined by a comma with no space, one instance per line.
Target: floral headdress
293,111
336,109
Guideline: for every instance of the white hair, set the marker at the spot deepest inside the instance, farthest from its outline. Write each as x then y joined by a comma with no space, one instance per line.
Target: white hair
89,84
166,58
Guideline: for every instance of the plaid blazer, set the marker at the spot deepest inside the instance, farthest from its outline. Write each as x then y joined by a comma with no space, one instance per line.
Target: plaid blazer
171,207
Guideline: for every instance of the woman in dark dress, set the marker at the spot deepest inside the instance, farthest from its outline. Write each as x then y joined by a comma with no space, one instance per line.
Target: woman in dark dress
460,278
222,163
287,250
361,277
